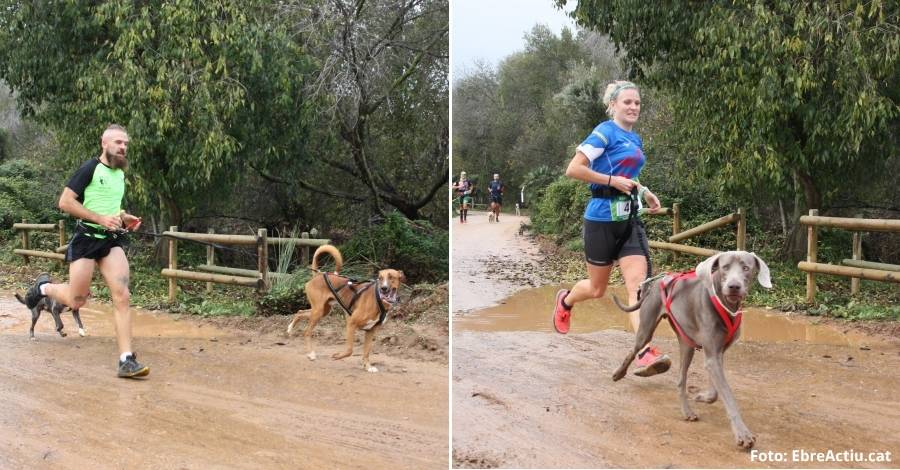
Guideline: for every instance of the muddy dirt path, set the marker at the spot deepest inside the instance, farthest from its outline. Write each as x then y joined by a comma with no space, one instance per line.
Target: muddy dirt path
524,396
215,398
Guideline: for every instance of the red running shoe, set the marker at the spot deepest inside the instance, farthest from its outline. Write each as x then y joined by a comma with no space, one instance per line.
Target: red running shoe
652,362
561,315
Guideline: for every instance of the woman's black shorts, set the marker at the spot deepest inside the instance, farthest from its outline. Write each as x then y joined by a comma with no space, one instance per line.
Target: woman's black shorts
83,245
601,238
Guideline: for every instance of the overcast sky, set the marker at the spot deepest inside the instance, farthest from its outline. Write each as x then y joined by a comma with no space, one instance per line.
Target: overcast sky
493,29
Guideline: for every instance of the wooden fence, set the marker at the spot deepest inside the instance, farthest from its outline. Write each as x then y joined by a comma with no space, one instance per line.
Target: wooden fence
738,218
211,273
855,268
26,252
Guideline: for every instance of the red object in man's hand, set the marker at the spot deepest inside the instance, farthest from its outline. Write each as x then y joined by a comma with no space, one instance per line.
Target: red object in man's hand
134,225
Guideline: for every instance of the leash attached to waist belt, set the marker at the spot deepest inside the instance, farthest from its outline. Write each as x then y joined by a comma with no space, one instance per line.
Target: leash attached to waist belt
348,309
632,219
82,227
732,323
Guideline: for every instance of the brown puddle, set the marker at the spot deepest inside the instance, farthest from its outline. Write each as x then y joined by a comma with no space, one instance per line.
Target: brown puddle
530,310
98,321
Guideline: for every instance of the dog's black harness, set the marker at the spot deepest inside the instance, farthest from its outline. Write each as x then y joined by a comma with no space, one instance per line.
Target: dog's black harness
357,293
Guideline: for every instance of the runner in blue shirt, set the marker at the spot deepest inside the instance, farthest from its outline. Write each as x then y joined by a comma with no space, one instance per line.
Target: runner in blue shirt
496,188
610,161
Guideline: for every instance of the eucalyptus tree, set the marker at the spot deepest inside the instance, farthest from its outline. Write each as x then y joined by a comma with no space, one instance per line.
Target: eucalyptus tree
382,82
188,79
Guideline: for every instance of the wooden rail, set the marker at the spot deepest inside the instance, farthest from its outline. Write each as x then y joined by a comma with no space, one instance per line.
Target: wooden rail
737,217
39,254
849,223
850,271
701,229
692,250
854,268
26,252
211,277
870,265
258,278
237,271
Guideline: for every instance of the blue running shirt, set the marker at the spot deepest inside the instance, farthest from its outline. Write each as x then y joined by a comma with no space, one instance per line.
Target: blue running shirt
612,150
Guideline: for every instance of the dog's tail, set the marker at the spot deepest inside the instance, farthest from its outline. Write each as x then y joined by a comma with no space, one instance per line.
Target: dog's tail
331,250
20,299
629,308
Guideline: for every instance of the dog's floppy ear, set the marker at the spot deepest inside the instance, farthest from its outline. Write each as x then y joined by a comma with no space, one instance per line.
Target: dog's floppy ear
763,276
403,276
704,270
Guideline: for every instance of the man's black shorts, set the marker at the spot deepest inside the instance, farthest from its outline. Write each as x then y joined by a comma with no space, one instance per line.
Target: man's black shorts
497,199
85,246
600,239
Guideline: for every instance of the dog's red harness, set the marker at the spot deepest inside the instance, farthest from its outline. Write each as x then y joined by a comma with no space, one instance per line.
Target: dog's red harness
667,286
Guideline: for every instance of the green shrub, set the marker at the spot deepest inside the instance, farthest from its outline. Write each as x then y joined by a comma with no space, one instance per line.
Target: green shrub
24,195
560,209
417,248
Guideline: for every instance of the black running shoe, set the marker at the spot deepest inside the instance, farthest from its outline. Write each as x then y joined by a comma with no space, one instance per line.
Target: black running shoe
130,367
33,296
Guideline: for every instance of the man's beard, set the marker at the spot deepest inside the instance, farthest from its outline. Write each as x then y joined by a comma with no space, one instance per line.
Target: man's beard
116,161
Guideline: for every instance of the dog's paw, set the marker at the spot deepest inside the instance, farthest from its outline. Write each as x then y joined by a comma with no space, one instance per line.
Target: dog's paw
33,338
619,374
311,356
743,437
81,332
690,416
338,356
709,396
372,369
63,334
745,441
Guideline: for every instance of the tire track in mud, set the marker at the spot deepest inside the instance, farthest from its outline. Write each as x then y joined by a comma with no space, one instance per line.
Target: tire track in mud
536,399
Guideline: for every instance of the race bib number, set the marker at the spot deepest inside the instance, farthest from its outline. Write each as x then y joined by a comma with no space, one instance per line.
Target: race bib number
620,209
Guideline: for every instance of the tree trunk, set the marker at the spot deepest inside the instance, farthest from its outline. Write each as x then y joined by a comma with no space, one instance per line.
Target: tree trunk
169,215
795,244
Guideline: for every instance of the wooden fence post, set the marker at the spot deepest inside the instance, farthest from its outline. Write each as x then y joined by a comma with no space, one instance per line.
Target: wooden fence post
61,227
676,225
62,233
741,230
210,260
26,244
857,255
173,264
304,251
262,249
811,252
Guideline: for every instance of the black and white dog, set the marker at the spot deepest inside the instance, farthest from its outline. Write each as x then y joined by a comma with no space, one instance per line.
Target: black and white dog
55,308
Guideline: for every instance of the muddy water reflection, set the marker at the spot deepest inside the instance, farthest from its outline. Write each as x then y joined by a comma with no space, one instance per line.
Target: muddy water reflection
530,310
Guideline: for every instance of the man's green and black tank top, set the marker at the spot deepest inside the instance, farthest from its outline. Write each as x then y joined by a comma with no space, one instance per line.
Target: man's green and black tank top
100,189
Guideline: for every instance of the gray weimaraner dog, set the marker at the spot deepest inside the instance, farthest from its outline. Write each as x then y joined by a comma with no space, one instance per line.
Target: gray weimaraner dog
690,303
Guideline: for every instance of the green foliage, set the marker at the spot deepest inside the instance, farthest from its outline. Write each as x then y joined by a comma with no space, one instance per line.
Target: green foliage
560,210
417,249
783,95
386,137
209,308
24,194
188,80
